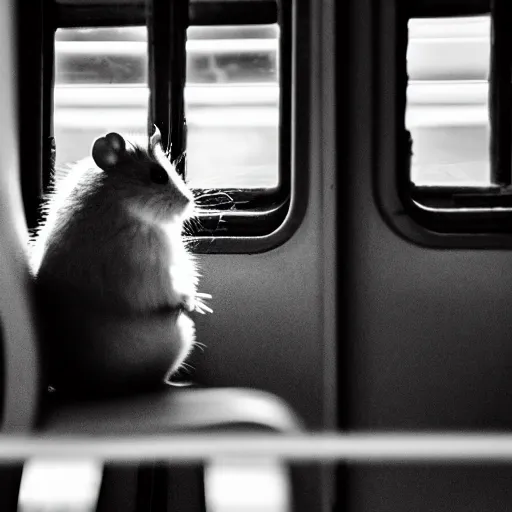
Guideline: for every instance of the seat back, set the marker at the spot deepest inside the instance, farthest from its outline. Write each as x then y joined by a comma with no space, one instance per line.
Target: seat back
20,370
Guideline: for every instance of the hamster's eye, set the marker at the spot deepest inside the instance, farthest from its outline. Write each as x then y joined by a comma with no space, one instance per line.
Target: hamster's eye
159,176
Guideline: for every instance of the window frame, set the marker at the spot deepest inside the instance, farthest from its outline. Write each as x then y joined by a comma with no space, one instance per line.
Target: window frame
106,13
430,222
35,76
266,218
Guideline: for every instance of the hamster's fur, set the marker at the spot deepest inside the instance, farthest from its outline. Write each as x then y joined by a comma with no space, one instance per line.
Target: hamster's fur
114,279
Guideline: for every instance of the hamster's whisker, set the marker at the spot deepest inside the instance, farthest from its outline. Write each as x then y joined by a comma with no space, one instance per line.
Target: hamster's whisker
200,346
188,368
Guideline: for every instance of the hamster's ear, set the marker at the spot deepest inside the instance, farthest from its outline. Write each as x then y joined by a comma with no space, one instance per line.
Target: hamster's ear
156,138
108,150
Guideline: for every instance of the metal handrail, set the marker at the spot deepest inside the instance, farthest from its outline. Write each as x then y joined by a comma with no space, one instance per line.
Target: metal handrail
319,447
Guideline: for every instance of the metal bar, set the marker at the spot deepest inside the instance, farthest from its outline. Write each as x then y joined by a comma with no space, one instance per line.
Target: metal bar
322,447
178,24
159,68
167,75
103,13
500,101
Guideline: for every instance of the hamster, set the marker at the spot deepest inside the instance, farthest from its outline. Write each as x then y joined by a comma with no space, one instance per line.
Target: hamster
115,282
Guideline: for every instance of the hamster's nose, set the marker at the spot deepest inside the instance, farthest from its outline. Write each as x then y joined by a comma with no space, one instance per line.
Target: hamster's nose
185,200
189,196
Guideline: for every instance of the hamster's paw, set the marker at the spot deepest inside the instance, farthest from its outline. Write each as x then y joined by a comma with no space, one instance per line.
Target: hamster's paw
201,307
196,303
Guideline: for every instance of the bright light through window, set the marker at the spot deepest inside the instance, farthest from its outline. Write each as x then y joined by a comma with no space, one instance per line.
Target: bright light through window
447,105
232,98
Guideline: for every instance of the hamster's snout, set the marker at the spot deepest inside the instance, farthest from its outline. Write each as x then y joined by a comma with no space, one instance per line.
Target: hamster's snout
182,196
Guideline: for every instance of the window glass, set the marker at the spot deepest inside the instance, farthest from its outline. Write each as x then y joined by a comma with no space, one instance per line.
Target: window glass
447,101
101,86
232,98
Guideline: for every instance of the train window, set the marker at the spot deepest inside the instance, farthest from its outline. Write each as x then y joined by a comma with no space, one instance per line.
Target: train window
448,153
237,105
101,85
232,107
447,115
231,98
448,66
